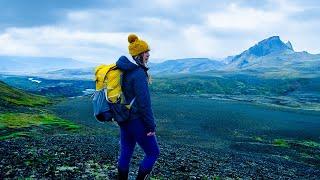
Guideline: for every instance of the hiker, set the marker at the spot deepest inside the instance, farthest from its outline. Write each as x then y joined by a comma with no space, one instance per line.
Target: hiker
140,128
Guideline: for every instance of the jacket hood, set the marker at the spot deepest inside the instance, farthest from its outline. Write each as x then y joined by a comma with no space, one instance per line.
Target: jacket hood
125,64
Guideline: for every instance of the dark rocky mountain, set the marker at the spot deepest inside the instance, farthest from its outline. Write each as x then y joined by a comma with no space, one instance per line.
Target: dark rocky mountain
272,57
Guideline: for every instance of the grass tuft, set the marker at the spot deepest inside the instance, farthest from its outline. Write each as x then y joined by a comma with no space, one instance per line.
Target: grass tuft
280,143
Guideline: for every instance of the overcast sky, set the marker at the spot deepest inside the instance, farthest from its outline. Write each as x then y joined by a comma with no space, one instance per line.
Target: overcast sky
97,30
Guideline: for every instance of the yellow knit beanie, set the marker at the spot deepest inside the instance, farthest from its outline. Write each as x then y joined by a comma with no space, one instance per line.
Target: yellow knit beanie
136,45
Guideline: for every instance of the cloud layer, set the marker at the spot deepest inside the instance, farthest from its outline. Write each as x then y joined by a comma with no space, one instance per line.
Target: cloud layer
97,31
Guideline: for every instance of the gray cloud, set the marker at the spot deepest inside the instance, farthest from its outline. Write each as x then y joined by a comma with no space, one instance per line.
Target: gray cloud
97,30
17,13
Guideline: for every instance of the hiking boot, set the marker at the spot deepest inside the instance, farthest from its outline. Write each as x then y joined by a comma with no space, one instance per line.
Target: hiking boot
123,175
143,175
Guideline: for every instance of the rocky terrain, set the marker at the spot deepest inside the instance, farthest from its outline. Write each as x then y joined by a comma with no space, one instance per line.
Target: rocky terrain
199,138
94,157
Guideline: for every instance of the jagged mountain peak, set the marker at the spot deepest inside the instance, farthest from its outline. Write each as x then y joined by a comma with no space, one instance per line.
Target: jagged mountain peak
270,45
289,45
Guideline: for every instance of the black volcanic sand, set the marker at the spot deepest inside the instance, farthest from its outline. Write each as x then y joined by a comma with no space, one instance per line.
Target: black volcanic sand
75,156
198,138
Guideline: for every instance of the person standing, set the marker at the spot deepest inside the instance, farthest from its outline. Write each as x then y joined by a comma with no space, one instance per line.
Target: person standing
140,128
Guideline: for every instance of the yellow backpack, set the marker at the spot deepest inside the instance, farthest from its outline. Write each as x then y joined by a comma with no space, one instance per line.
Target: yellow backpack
108,100
109,77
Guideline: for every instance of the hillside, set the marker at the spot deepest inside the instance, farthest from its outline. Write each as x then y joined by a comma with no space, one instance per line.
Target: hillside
234,84
11,97
300,93
22,115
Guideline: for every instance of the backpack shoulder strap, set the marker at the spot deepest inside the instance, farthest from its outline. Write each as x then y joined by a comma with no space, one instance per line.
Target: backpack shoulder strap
128,106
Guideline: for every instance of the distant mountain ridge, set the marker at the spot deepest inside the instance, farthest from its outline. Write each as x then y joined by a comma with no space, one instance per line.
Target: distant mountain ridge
24,64
270,57
189,65
78,73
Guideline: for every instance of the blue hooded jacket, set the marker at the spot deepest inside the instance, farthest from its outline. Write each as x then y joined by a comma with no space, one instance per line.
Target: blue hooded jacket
135,85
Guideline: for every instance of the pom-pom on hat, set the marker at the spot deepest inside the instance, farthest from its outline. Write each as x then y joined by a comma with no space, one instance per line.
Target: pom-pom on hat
136,45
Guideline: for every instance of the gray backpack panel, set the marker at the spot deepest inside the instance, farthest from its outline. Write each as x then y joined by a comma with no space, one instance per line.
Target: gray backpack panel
100,104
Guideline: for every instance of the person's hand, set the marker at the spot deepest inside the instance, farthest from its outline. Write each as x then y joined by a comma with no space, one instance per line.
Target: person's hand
151,133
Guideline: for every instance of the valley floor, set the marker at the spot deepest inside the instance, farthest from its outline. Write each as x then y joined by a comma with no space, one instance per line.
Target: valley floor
76,156
199,138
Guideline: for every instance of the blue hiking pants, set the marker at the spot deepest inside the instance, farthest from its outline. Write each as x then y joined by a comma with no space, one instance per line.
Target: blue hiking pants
133,132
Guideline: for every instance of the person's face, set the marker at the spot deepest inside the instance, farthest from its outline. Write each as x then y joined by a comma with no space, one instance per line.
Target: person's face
145,57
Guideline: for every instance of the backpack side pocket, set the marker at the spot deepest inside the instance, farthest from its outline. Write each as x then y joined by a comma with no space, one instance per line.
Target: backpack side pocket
101,108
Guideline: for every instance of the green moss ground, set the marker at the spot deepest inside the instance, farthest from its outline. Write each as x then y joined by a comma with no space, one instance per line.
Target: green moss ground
14,125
